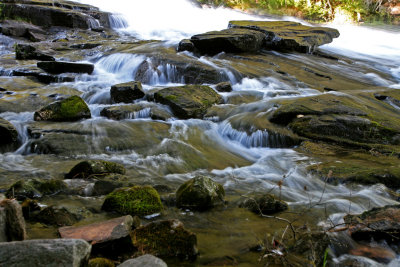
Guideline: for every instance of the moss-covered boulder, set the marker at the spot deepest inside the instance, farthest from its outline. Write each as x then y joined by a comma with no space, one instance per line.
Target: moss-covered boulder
228,40
126,92
288,35
265,204
25,51
95,168
71,109
58,67
189,101
35,188
136,200
100,262
8,134
378,223
165,239
200,193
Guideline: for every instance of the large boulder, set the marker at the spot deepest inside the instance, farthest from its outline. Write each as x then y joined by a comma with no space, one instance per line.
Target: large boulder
165,239
377,223
126,92
35,188
58,67
200,193
136,200
25,51
72,108
62,13
189,101
289,35
95,168
147,260
45,252
108,238
8,133
12,221
229,40
265,204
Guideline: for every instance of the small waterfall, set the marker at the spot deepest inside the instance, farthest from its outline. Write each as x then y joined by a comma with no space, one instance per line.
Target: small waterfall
94,23
141,114
117,21
20,122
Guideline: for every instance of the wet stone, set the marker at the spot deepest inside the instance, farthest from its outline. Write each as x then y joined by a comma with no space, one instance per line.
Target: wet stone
58,67
126,92
144,261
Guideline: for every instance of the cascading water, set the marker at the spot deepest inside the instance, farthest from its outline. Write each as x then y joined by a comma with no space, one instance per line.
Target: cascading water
174,150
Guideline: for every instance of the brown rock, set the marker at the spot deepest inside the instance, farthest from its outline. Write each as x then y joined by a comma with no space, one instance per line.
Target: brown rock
376,253
15,223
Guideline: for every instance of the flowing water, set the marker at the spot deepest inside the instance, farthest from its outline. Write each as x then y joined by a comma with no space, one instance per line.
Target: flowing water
170,152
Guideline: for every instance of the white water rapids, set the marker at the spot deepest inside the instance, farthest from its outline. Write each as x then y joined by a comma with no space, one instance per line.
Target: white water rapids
174,20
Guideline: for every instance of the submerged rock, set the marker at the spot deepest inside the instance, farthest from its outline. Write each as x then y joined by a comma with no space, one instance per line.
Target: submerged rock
95,168
137,200
289,35
58,67
165,239
147,260
45,252
266,204
35,188
200,193
377,223
12,222
126,92
229,40
24,51
72,108
108,238
189,101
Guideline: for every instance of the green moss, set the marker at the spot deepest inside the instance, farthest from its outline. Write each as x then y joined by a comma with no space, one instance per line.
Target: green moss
71,106
137,200
101,262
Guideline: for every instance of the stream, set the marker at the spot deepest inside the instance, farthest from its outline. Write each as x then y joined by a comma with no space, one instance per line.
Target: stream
225,145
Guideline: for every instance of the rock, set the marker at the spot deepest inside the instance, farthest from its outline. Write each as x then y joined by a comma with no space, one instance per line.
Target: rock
288,35
265,204
45,252
57,216
377,223
200,193
224,87
14,221
35,188
100,262
44,77
377,253
146,260
29,208
137,200
189,101
108,184
135,111
72,108
64,13
165,239
85,45
126,92
186,45
3,225
108,238
95,168
19,29
58,67
233,40
8,133
24,51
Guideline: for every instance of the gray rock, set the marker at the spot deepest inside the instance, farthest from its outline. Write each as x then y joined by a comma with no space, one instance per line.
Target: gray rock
15,222
126,92
144,261
46,252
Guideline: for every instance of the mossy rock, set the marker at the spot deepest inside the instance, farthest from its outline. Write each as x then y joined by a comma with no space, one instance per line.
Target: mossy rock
95,168
56,216
265,204
136,200
165,239
35,188
71,109
200,193
100,262
189,101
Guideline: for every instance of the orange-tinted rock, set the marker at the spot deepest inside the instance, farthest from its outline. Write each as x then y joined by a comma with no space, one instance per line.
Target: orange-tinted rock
378,254
109,238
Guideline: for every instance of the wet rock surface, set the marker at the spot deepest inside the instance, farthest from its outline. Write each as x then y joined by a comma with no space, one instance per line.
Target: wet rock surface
8,133
95,168
58,67
126,92
50,252
266,204
24,51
